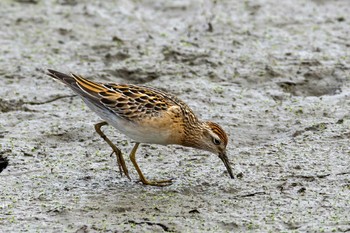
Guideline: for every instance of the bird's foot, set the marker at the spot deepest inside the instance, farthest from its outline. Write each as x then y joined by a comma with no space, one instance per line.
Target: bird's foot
121,163
159,183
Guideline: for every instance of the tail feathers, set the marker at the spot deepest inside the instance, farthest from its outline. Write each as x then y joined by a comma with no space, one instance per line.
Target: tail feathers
91,87
66,79
86,89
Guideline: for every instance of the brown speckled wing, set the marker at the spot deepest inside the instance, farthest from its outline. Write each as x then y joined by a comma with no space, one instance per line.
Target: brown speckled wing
128,101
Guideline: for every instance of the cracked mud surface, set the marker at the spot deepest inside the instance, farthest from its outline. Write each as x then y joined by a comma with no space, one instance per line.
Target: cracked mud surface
275,76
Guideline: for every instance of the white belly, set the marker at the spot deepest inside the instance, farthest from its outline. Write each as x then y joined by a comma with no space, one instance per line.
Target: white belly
137,132
142,134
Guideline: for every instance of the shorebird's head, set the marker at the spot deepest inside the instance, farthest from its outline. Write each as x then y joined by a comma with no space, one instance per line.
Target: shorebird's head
214,139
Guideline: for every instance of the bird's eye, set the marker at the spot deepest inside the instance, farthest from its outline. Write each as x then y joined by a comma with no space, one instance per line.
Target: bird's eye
216,141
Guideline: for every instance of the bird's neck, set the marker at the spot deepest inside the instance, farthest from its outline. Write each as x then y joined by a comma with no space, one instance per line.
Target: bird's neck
192,134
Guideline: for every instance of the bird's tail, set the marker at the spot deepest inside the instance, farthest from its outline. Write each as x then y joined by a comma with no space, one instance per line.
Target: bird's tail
64,78
87,90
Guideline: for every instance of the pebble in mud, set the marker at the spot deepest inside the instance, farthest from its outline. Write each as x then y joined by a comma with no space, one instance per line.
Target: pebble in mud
3,163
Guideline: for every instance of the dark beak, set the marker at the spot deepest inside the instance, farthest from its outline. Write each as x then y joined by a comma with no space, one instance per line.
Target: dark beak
224,159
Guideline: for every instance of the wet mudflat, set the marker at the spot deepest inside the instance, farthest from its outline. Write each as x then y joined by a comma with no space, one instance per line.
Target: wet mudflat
274,75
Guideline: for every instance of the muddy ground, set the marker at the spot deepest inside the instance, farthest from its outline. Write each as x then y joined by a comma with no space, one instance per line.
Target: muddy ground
274,74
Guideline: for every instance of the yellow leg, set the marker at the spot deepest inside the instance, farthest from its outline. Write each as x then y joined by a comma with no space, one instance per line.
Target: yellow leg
118,153
142,177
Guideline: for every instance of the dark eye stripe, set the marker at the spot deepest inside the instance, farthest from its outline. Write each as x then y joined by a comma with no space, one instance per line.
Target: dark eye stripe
216,141
218,131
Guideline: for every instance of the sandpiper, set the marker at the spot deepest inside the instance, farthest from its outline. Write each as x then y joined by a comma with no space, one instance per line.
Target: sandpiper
146,115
